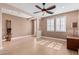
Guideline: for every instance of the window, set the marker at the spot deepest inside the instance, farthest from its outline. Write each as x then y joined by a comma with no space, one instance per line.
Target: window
50,24
61,24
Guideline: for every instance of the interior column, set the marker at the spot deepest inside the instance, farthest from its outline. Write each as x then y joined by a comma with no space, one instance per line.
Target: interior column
38,28
35,27
0,29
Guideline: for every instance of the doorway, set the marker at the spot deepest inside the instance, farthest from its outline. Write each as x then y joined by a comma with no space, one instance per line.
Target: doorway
8,30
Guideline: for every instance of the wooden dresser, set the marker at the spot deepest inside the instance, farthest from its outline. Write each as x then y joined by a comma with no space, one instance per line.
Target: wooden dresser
73,43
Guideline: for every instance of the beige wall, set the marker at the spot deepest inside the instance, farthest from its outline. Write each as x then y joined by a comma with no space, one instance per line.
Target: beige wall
71,17
0,30
20,26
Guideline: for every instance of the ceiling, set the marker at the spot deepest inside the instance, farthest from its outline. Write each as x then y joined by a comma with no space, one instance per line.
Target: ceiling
60,7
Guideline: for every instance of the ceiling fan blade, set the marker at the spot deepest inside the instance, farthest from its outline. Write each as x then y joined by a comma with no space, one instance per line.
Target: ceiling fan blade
49,12
37,12
38,7
52,7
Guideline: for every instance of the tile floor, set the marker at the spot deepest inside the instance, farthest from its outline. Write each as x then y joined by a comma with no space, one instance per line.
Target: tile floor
33,46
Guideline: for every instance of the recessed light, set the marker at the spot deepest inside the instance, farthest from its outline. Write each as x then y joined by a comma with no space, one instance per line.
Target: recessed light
63,7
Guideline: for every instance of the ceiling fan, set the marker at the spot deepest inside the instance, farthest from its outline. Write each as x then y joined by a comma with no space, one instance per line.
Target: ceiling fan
45,10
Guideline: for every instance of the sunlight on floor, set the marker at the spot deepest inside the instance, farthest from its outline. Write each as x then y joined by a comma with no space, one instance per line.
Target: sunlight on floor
53,45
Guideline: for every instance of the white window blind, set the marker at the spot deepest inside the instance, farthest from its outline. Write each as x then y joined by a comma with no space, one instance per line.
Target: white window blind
50,24
61,24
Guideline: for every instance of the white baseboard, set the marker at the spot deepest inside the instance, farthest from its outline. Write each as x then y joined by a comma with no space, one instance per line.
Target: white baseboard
55,38
19,37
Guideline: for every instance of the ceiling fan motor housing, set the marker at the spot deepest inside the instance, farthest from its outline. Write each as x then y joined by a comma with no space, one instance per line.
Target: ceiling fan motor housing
43,9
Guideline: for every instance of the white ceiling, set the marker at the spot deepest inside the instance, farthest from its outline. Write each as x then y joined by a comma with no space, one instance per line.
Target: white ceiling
60,7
